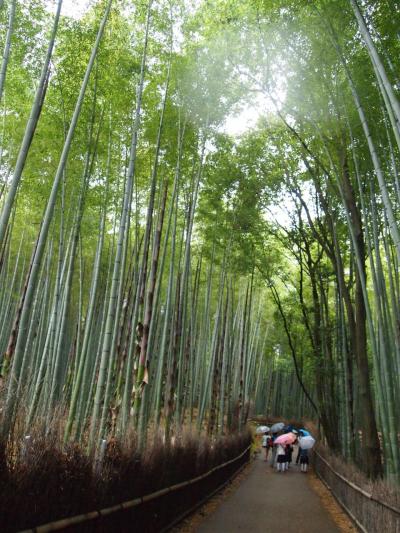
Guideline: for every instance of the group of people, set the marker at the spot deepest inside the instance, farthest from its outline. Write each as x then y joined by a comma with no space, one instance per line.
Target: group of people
281,455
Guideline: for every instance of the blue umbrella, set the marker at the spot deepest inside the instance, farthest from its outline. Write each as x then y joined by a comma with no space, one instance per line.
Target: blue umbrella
288,429
305,433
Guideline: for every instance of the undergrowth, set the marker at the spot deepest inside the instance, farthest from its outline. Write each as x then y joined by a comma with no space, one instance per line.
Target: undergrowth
42,480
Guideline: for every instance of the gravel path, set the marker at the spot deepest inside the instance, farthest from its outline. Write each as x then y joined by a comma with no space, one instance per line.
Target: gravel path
267,500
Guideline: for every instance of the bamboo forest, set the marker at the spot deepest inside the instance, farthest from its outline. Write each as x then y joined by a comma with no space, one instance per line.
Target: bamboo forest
199,226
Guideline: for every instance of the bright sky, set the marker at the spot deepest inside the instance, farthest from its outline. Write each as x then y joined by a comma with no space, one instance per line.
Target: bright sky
74,8
238,123
246,118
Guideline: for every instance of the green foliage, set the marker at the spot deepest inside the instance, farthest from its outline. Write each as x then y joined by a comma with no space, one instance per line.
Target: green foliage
278,207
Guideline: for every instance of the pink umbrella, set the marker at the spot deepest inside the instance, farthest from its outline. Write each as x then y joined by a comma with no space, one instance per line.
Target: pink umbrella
286,438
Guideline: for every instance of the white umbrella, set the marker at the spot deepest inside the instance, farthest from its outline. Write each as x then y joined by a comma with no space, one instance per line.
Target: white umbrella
306,443
277,427
262,429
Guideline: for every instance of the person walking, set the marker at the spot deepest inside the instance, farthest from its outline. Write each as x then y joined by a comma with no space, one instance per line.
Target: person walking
298,455
265,445
280,458
289,453
273,453
303,460
270,443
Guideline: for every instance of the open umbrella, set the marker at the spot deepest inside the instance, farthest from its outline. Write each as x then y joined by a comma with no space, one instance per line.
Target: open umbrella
306,443
277,427
304,432
261,429
286,438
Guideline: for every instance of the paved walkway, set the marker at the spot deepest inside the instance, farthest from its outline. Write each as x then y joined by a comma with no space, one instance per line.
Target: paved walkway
267,500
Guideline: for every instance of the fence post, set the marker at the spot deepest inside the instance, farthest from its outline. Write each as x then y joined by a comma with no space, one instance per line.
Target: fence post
26,445
100,458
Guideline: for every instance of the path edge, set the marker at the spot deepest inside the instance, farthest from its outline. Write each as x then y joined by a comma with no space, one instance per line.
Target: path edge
199,504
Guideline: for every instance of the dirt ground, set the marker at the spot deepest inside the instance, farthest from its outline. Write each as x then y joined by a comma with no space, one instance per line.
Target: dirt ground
260,499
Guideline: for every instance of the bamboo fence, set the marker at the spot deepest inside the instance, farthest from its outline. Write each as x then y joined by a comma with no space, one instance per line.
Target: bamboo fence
98,515
370,514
